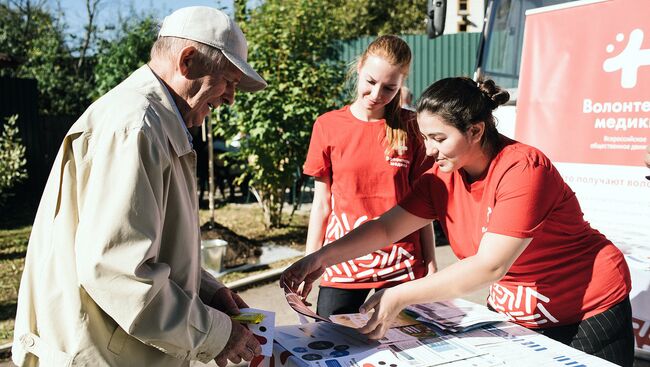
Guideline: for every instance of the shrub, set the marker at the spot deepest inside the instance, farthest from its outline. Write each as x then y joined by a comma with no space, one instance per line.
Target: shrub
12,158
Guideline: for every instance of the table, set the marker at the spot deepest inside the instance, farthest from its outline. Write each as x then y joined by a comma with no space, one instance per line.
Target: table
640,299
501,344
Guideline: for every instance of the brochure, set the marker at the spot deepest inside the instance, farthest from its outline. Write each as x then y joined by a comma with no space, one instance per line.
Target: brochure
455,315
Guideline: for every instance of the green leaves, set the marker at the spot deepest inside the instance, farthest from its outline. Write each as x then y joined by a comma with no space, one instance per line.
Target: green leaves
12,158
375,17
292,45
36,39
118,58
35,36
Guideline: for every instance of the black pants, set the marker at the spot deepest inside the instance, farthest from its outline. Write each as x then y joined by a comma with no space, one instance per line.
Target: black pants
334,301
608,335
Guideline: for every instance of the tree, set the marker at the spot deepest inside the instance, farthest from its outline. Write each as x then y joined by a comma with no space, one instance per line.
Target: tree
292,44
376,17
90,34
12,158
118,58
36,38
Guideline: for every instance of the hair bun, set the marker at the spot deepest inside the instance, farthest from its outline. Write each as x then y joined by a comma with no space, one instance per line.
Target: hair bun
497,95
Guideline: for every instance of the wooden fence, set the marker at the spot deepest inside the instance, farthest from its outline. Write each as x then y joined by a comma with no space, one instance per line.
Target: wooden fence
41,135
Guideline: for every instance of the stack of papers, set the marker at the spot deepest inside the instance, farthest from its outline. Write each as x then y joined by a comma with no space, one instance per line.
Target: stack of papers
456,315
403,327
323,344
336,342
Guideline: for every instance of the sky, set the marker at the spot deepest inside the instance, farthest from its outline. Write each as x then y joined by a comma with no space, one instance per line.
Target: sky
110,10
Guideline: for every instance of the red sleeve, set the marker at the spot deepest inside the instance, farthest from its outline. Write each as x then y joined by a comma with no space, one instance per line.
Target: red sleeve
420,201
526,195
318,162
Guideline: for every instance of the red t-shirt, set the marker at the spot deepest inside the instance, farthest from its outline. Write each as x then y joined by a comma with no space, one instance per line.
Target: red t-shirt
568,272
365,184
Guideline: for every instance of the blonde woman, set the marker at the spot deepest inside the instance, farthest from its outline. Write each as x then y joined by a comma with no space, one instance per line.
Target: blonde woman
365,157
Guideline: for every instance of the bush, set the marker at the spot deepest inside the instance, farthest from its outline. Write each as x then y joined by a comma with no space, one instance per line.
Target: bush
12,158
118,58
292,45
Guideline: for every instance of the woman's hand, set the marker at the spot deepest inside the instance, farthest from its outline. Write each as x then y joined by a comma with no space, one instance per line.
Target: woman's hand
306,270
386,305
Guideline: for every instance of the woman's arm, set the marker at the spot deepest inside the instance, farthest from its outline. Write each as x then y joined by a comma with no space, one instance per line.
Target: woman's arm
390,227
428,244
375,234
320,212
495,256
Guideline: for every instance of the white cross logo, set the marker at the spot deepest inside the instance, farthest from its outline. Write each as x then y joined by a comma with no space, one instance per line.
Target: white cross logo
629,60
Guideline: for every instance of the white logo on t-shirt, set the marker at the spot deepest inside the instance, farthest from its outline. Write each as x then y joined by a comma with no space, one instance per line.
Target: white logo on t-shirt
487,220
398,162
392,266
531,312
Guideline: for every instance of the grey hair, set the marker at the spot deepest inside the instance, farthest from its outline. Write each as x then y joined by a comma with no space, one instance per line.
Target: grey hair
211,59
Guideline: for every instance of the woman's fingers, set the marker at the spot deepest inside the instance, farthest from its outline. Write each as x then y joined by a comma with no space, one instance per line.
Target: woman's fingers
369,327
371,302
372,323
378,333
293,276
376,326
303,272
289,281
382,316
306,289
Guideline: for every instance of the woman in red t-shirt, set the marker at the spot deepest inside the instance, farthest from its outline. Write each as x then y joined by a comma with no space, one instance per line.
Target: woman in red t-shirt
512,221
365,158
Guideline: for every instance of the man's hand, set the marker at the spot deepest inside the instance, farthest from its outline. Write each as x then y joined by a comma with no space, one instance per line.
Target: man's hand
242,344
227,301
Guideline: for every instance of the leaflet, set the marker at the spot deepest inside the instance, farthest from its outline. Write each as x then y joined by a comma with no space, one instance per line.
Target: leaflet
455,315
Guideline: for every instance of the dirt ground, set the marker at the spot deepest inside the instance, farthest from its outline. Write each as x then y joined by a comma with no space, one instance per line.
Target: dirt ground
240,249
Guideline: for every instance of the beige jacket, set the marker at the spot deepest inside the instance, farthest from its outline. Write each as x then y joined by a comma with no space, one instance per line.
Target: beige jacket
112,275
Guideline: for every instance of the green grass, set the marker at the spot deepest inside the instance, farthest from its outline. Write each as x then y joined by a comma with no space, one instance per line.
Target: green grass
243,219
13,244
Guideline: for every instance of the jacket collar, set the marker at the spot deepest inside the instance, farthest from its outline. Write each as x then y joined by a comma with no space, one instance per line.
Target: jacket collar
148,83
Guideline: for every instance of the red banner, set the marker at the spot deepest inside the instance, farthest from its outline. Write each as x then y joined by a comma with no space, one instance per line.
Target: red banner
584,89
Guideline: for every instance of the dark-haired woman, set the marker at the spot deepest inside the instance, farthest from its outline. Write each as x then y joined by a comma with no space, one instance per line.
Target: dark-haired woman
512,221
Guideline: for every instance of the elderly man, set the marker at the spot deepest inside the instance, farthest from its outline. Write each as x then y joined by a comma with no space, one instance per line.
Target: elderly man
112,275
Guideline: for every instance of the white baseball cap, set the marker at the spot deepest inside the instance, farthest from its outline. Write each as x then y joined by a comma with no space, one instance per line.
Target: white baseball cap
214,28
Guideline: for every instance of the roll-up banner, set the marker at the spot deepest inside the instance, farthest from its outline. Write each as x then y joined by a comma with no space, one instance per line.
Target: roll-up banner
584,100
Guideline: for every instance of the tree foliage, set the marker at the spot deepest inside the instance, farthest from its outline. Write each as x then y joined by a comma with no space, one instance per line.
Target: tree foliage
292,44
12,158
377,17
118,58
35,37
